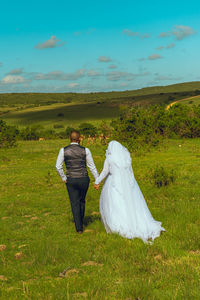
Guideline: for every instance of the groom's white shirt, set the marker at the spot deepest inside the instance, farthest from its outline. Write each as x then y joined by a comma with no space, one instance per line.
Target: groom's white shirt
89,161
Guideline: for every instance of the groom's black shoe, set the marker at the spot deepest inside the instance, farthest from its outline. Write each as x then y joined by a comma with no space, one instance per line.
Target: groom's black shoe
80,231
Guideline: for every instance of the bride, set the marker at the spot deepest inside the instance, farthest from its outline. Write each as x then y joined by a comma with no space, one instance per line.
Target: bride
122,206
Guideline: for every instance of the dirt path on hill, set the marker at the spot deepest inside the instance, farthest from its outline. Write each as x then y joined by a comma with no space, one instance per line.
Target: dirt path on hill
189,98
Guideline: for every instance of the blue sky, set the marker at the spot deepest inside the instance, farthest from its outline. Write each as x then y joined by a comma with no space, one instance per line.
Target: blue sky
87,46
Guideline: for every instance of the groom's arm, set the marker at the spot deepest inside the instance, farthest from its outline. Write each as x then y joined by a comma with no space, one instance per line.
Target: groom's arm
59,165
90,164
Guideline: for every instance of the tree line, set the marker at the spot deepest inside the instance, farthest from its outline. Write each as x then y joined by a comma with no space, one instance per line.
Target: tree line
136,127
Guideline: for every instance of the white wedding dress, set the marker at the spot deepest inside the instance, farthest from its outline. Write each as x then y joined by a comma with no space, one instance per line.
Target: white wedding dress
122,206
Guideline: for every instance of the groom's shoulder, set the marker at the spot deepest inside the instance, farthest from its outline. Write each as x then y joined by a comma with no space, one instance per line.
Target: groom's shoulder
66,147
71,145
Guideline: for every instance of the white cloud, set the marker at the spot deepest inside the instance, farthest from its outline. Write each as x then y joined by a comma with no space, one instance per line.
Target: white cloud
160,48
169,46
117,75
13,79
142,59
161,78
172,45
154,57
16,71
73,85
169,77
164,34
93,73
104,59
124,84
145,36
53,42
131,33
59,75
179,32
112,67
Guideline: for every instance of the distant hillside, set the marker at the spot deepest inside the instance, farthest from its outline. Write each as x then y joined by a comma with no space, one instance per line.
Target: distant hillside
70,109
149,95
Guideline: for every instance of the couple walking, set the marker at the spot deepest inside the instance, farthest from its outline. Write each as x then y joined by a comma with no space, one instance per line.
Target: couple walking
122,206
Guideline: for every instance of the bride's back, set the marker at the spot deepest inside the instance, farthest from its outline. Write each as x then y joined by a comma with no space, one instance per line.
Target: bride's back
118,156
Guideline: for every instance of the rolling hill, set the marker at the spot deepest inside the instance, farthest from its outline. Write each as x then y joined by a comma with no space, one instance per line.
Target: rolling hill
69,109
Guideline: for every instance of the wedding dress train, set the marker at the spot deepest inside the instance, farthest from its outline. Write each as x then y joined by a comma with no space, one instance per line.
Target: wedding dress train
122,205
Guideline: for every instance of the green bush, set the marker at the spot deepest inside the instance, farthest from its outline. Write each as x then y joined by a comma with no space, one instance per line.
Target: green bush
58,126
105,129
48,134
68,131
87,129
162,177
146,127
30,133
8,135
60,115
62,135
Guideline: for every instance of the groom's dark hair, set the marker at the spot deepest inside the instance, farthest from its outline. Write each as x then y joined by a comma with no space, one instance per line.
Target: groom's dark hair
75,136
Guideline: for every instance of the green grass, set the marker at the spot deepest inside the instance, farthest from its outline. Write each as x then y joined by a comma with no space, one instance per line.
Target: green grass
25,109
191,100
36,220
9,99
73,114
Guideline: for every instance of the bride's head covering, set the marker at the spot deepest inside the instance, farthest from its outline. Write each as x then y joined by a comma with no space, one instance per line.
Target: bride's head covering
118,155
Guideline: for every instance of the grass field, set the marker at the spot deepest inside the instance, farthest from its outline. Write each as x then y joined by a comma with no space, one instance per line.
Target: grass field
16,99
195,100
41,242
72,114
26,109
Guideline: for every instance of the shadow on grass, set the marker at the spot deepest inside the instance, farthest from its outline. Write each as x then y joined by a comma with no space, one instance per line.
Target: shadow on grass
91,219
88,220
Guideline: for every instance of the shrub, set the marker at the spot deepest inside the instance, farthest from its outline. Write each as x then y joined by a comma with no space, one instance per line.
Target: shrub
105,129
48,134
197,92
62,135
137,128
87,129
60,115
171,98
31,133
8,135
58,126
146,127
162,177
68,131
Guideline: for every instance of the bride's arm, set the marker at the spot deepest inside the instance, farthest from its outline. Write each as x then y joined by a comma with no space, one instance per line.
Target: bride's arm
104,172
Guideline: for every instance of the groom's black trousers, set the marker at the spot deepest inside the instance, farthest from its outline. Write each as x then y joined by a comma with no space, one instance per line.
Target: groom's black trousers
77,189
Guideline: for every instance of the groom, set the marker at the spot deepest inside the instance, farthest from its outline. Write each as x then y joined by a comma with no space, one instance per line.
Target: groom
77,180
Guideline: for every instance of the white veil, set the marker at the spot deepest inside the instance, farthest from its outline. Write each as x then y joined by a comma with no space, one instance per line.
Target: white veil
120,163
118,155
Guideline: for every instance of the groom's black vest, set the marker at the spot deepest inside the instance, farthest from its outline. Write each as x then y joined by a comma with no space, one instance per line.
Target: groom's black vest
75,161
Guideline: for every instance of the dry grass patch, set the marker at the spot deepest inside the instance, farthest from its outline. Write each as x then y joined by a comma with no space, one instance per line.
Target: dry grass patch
91,263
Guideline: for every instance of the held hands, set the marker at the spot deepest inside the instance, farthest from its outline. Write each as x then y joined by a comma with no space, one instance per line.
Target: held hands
96,186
